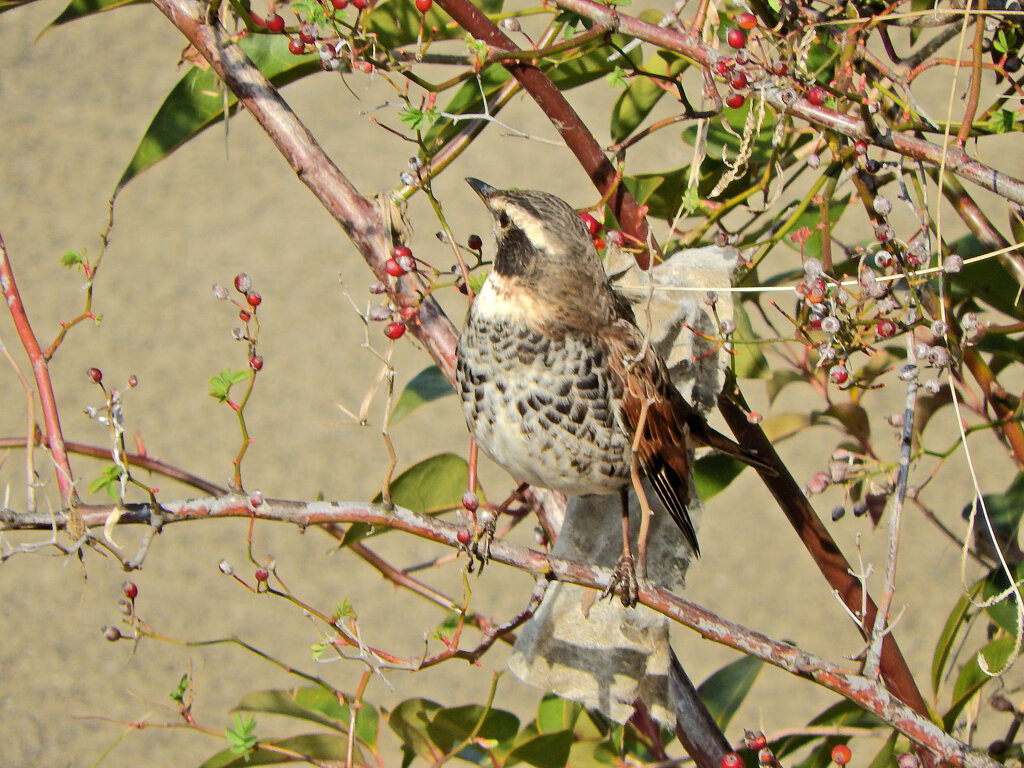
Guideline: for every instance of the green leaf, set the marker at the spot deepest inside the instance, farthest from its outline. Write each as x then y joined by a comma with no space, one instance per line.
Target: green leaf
1005,612
637,101
726,688
317,746
220,385
782,425
972,679
397,22
811,218
546,750
556,714
178,694
1004,513
780,379
313,704
886,756
196,102
854,419
242,737
948,637
409,721
109,480
433,485
418,119
450,726
71,258
844,713
78,9
714,473
425,387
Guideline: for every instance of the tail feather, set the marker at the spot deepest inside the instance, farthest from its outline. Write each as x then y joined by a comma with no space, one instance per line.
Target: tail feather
704,434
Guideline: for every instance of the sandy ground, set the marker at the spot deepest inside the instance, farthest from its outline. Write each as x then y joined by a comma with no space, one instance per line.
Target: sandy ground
72,107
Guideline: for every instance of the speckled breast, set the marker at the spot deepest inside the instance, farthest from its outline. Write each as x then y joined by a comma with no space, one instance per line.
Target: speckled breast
542,407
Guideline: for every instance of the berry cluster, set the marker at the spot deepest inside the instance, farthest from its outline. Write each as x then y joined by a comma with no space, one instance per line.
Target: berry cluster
247,311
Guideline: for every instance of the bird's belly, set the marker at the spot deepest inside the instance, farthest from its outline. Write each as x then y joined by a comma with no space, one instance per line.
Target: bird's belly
543,408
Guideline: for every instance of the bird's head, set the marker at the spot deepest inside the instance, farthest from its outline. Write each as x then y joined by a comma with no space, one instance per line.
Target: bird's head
543,246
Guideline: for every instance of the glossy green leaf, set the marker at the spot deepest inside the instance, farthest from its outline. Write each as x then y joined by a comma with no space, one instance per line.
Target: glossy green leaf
432,485
811,218
972,679
197,101
886,756
749,361
318,746
1004,513
78,9
425,387
955,623
316,705
714,473
557,714
782,425
546,750
397,22
643,93
451,726
409,721
1005,612
724,691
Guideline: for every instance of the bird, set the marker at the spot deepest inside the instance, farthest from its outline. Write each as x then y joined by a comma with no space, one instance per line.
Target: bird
559,385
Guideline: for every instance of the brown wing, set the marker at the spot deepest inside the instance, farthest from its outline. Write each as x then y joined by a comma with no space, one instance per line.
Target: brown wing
663,451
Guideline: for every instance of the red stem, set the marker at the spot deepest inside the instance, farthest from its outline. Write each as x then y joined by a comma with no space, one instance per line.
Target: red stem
54,439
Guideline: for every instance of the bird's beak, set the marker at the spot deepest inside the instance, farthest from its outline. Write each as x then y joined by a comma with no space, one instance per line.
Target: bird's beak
482,188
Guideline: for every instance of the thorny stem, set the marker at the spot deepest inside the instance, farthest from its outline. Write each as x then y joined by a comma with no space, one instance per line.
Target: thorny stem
54,439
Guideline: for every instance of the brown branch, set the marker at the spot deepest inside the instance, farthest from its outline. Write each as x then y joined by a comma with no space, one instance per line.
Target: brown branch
865,693
564,118
54,439
820,545
972,98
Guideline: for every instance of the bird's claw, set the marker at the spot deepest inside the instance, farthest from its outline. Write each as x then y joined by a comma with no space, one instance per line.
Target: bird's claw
480,547
624,581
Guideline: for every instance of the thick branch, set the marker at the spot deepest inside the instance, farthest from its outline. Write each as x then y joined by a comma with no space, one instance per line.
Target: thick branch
865,693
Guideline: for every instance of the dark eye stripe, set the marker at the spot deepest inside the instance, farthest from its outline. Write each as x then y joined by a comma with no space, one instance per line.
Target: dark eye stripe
503,220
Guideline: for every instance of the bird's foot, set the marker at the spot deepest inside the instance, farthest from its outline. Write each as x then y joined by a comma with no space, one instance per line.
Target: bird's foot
624,581
485,523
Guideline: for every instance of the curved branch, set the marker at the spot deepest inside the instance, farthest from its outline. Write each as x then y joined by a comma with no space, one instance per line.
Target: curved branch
865,693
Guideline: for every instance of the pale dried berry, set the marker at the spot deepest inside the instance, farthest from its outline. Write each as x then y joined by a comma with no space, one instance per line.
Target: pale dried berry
133,381
939,327
220,292
813,161
908,760
938,357
243,282
470,501
921,350
837,512
754,417
830,325
818,483
933,386
237,334
969,323
827,352
380,314
378,288
256,499
895,420
407,178
952,264
721,239
813,268
113,634
907,373
408,263
226,568
711,298
882,205
510,24
884,259
728,327
883,233
860,509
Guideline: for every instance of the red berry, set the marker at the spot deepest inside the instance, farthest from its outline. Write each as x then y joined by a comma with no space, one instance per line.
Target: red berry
735,100
256,362
423,5
244,315
470,501
779,69
393,268
721,67
95,374
339,5
463,536
360,4
599,243
394,330
739,81
261,575
886,328
593,225
839,375
814,321
408,313
747,20
366,66
253,298
841,754
130,590
616,238
816,95
475,243
296,46
737,38
731,760
755,740
243,282
113,634
860,147
400,251
306,34
275,23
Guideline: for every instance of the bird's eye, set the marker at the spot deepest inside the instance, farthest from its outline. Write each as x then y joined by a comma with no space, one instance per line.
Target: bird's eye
503,220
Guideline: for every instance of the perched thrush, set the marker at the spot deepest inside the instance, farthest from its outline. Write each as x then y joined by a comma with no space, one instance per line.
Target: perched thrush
556,378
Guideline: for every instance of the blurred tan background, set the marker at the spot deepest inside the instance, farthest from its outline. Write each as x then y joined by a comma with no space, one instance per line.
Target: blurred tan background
73,105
